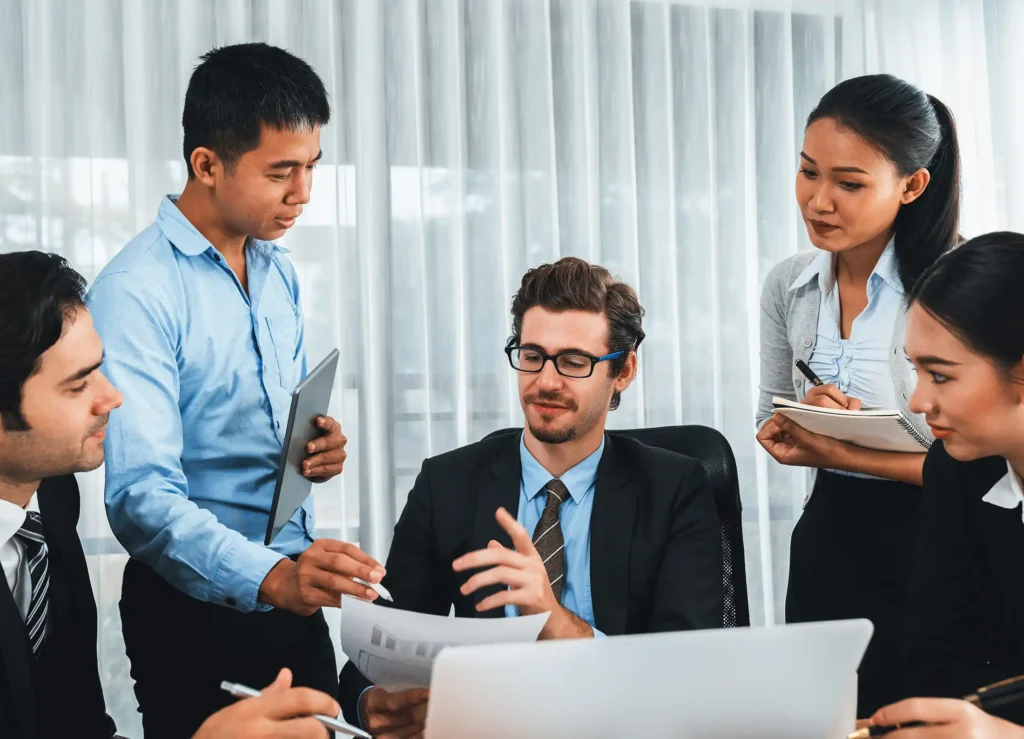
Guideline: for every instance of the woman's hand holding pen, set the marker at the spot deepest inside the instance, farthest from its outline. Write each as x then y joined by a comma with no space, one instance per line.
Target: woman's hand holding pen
829,396
944,718
822,395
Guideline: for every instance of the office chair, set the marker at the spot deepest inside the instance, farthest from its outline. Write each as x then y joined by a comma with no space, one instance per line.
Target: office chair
712,449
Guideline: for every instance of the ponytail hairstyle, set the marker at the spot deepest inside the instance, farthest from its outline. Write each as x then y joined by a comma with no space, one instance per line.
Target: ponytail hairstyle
975,292
913,131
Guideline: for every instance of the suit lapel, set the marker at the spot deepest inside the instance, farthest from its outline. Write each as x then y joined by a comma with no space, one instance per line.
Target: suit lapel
16,658
611,535
499,488
58,506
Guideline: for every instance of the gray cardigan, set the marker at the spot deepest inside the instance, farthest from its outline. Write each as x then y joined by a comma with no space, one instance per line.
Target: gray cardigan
789,329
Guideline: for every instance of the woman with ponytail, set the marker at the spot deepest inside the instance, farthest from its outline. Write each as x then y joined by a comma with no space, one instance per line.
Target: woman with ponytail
878,189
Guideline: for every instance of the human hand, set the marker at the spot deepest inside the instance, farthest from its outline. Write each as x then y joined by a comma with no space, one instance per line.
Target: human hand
522,571
829,396
790,444
945,718
394,715
322,575
327,453
280,712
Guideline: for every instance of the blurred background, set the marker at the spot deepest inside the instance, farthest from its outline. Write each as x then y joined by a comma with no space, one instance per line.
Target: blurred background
470,140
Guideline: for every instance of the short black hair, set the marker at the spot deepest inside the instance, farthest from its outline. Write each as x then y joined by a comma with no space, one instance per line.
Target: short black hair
236,90
39,293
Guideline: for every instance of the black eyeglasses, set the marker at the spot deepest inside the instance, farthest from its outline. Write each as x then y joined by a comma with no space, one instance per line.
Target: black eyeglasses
567,364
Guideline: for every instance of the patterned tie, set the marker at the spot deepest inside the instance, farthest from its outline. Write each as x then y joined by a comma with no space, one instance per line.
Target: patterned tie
547,537
31,534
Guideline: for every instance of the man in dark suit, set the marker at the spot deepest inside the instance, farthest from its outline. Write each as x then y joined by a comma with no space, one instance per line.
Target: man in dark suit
608,535
54,406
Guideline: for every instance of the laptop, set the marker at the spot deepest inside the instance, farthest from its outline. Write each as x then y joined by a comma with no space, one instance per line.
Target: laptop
786,681
310,399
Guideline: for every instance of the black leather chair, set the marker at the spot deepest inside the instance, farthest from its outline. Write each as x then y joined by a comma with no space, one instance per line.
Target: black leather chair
713,451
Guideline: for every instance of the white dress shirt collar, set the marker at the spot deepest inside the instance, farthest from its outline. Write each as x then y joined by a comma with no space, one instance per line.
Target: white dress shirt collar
1007,492
12,517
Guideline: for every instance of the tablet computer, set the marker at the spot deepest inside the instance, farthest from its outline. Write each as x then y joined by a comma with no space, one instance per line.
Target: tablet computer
310,400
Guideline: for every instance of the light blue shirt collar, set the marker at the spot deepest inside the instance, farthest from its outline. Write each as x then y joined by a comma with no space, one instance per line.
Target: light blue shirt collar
186,238
823,268
579,480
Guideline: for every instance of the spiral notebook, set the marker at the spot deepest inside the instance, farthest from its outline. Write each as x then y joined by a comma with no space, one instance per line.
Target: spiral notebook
886,430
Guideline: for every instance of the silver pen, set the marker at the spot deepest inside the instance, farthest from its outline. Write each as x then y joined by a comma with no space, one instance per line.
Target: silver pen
244,691
377,588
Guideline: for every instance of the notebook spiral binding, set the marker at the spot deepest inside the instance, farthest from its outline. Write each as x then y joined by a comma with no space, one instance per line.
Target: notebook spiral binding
907,426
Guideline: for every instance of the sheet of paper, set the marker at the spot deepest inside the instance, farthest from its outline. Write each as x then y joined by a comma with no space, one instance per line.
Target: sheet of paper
396,649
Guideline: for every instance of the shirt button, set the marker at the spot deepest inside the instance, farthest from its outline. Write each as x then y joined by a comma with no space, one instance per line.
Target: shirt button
807,343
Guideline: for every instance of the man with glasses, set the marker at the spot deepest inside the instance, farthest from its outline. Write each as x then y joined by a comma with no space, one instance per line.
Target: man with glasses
608,535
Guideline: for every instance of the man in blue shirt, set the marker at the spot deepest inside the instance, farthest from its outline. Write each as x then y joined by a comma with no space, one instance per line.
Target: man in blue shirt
202,322
607,535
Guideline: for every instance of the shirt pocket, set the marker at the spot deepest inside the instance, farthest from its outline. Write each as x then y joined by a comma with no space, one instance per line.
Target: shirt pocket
282,328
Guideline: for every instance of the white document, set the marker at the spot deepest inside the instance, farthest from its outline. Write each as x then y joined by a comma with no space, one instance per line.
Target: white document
396,649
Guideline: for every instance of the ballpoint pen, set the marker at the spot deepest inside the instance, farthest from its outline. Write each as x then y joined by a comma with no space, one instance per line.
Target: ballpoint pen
244,691
808,373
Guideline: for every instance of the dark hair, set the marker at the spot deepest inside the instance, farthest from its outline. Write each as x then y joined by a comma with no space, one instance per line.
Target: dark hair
39,293
912,130
573,284
975,292
238,89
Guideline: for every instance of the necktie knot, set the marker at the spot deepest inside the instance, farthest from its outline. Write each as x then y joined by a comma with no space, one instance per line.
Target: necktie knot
557,492
32,530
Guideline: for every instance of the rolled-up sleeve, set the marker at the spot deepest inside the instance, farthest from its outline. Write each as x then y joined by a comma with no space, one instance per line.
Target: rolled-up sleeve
147,494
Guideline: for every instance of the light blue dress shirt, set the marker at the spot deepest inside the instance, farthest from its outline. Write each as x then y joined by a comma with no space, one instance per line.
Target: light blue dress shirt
858,366
574,517
207,373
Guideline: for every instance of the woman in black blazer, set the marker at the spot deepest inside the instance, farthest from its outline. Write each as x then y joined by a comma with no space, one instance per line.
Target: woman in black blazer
965,336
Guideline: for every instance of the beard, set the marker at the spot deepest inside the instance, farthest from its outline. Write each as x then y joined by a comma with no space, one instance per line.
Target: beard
554,436
547,435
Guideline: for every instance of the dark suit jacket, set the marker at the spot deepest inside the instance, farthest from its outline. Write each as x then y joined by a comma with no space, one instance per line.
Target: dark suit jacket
71,643
655,540
966,610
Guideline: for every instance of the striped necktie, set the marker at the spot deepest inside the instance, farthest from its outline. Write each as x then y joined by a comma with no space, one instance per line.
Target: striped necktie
547,537
31,534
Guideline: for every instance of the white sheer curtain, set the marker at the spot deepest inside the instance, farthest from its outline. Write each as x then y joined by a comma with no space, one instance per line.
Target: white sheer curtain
472,139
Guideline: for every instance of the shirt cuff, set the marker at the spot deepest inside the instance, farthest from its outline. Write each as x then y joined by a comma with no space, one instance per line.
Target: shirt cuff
241,573
359,713
598,634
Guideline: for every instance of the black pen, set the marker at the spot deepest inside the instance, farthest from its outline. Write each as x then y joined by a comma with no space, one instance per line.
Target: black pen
991,696
869,731
808,373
